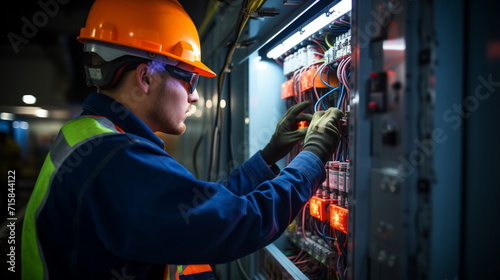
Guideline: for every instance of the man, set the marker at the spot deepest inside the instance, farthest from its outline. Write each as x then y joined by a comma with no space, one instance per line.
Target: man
110,203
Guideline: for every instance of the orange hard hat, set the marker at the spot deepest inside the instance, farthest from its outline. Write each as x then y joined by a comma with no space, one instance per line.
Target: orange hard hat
155,29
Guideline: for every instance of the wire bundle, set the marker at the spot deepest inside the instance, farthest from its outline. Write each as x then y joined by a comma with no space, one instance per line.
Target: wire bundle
343,74
342,253
322,96
311,267
248,7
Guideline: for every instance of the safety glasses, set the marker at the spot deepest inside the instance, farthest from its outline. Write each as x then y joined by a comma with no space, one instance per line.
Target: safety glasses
190,77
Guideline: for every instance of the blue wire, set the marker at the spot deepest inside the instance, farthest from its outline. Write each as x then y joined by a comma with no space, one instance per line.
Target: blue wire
342,254
324,82
339,147
326,237
321,98
338,267
341,95
341,243
322,233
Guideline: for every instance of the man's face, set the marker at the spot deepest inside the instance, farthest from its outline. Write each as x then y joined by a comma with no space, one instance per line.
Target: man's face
170,104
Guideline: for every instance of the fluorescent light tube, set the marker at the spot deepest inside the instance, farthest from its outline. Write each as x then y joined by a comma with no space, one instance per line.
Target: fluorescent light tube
318,23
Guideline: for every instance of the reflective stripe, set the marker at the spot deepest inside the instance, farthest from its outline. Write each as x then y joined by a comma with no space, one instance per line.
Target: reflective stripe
31,259
86,127
195,269
178,272
72,136
59,150
171,272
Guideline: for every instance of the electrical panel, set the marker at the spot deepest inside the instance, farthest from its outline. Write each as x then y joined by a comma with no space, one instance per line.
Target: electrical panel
392,206
318,69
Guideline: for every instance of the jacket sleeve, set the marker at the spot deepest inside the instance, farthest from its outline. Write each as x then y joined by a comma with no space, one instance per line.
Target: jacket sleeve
249,175
147,207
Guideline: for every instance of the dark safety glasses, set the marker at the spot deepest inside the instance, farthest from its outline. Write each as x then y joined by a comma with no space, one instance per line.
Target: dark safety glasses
190,77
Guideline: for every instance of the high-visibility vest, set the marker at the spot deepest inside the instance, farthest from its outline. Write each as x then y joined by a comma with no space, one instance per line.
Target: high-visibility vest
189,272
75,133
72,135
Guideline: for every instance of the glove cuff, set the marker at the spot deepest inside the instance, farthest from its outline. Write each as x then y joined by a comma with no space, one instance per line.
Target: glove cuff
267,155
319,151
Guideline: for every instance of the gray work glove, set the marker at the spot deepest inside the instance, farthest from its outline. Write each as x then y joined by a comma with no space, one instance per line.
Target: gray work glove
323,135
286,134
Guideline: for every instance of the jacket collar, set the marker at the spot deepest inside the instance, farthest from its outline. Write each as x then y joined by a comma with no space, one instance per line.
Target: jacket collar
103,105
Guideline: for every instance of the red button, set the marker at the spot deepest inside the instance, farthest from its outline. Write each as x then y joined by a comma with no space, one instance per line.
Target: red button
372,105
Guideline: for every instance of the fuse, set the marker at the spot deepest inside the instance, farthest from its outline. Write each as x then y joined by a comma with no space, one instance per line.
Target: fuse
348,178
329,174
342,197
333,181
341,177
325,191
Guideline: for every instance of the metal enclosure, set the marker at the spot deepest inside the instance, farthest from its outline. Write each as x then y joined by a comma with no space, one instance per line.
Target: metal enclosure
422,129
424,163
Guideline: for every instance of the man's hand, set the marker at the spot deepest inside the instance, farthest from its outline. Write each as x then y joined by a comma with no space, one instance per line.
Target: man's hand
323,135
287,134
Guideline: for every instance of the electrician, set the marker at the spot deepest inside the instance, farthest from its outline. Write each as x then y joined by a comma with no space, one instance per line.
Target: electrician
110,203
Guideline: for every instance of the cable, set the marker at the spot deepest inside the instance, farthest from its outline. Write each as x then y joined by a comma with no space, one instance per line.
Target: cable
304,221
209,15
195,151
240,266
343,76
318,71
326,41
340,274
229,126
325,236
316,106
325,82
248,7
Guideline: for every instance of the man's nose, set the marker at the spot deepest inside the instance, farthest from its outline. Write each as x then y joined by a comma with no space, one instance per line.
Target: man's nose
193,97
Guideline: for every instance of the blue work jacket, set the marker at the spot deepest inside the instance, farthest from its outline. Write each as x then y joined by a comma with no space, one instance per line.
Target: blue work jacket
126,207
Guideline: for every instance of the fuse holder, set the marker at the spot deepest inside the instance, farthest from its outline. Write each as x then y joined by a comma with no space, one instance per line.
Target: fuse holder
302,124
339,218
318,208
287,89
310,79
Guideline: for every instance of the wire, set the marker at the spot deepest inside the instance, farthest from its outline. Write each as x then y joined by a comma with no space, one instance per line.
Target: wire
304,221
340,274
230,158
341,95
209,15
319,44
325,236
343,75
316,106
319,71
326,41
323,80
248,7
240,266
195,152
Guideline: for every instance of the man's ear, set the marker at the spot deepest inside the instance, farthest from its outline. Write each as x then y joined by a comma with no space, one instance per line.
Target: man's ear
143,77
